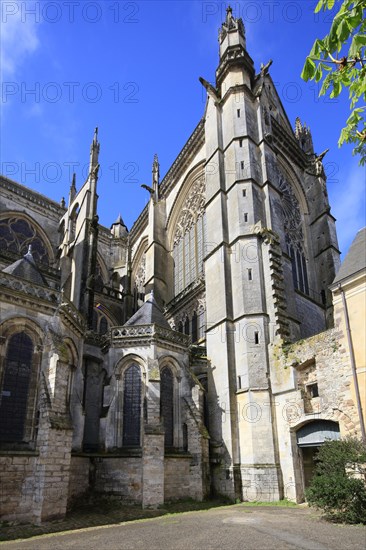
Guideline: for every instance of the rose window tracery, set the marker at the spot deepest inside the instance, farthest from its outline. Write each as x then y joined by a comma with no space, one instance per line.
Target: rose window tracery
16,234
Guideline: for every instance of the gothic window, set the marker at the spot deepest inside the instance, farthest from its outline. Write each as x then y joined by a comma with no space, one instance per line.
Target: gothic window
294,236
194,327
16,234
15,387
132,407
186,326
103,326
139,288
167,404
100,322
189,238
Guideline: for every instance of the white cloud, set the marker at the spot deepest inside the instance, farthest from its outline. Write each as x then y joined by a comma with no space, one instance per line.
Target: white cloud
19,35
348,202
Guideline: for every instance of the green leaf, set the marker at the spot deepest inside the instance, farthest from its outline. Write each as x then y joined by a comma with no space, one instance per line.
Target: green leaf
318,73
358,41
309,70
337,88
343,31
330,4
321,4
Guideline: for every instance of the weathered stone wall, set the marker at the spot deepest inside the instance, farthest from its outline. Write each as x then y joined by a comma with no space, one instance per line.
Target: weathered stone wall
79,477
177,478
120,476
323,360
17,486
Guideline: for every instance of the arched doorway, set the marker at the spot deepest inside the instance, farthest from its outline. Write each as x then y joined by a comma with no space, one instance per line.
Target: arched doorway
309,438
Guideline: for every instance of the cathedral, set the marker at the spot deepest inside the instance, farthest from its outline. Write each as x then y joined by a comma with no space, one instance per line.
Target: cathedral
193,354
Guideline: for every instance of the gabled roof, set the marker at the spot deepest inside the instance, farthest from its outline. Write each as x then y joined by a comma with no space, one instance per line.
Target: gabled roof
26,269
149,314
355,259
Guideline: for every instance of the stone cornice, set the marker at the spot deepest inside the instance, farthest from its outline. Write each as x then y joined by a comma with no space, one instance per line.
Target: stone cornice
39,200
21,292
145,335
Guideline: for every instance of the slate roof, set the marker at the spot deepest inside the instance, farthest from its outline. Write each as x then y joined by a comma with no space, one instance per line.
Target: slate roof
355,259
26,269
148,314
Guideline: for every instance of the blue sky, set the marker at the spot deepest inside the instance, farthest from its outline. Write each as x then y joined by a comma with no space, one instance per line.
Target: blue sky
132,68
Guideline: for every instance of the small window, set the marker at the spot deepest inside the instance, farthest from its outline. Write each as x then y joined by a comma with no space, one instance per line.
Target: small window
245,217
242,165
240,143
238,113
239,382
250,275
244,192
256,338
312,390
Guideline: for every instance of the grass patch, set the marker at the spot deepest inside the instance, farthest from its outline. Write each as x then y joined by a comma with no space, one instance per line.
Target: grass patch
285,503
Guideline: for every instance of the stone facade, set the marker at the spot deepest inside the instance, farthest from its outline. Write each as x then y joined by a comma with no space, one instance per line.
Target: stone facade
169,361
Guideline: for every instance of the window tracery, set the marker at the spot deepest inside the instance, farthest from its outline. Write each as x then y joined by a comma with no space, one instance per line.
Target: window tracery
16,234
294,235
139,287
189,238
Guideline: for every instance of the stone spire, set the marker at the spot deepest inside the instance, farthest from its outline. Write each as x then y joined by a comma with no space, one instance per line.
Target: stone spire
72,192
233,53
303,135
156,177
94,152
232,26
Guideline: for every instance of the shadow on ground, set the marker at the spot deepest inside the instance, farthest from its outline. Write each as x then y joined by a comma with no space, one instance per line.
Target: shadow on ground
97,512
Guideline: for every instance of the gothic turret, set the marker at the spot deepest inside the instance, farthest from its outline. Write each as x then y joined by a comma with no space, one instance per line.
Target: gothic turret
233,54
119,228
303,135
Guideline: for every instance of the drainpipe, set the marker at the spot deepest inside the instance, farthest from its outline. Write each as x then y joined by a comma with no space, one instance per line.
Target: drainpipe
353,364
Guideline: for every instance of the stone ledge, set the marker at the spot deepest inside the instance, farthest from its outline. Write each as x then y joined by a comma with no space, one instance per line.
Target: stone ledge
18,452
121,453
177,454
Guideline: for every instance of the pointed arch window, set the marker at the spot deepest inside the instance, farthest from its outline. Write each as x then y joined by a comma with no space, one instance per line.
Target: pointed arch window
293,227
132,407
167,404
14,396
189,238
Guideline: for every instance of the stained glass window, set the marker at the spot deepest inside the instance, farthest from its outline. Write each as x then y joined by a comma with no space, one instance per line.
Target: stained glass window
132,407
15,386
167,405
16,234
188,256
